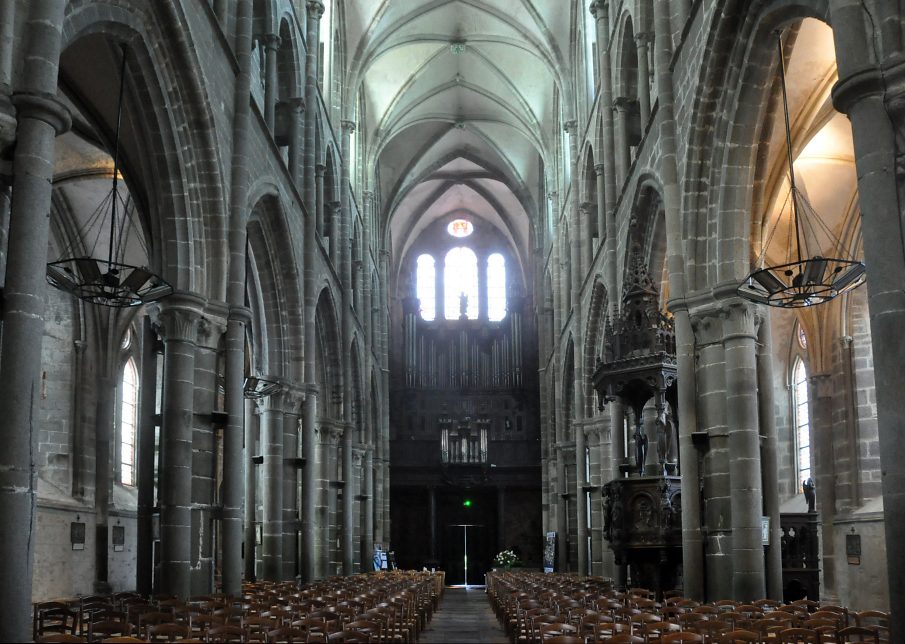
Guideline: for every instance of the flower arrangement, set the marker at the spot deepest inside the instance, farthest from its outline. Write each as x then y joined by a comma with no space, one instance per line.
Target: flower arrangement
506,559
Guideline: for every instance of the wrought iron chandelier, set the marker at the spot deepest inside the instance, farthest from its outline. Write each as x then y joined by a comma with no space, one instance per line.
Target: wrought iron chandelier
111,281
804,279
257,387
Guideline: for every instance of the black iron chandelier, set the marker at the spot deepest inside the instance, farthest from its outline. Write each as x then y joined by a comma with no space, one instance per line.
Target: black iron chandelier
257,387
111,281
805,279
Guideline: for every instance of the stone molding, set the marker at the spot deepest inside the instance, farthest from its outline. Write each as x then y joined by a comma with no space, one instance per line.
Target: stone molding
43,107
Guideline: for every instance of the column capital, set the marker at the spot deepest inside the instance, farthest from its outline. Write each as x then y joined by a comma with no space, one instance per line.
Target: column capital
598,8
241,314
553,194
296,103
335,205
599,169
367,196
293,397
570,126
348,126
643,38
315,9
738,319
320,169
179,317
209,331
271,41
43,107
855,87
623,103
586,207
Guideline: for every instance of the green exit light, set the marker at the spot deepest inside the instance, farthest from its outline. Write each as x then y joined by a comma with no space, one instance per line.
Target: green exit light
466,503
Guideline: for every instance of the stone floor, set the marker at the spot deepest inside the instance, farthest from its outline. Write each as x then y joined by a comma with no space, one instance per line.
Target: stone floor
465,616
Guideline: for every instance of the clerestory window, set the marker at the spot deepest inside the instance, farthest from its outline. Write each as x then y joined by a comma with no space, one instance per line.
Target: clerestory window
802,421
128,421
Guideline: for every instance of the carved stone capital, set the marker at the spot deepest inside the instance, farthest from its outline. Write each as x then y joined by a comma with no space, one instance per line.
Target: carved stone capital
348,126
179,317
319,170
271,42
570,126
43,107
210,329
315,9
599,169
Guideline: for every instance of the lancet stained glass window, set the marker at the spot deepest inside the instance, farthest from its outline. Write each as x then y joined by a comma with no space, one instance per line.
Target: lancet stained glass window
460,284
496,287
426,287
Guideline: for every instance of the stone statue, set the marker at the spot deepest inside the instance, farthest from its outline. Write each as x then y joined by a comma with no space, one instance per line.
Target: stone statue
463,306
809,494
640,448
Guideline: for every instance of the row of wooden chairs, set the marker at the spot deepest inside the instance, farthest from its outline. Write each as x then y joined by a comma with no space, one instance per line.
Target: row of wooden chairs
541,608
374,607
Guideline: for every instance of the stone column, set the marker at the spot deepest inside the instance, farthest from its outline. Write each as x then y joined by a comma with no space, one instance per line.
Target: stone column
622,106
588,216
820,408
272,489
641,42
575,230
292,411
271,45
180,314
746,499
6,201
313,13
872,98
367,497
348,500
319,207
334,210
692,552
606,195
238,316
296,140
310,480
252,413
600,175
769,459
103,467
40,118
562,520
144,548
581,510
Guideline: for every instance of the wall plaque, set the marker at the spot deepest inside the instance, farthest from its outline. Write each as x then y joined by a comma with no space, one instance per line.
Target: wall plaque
77,535
119,538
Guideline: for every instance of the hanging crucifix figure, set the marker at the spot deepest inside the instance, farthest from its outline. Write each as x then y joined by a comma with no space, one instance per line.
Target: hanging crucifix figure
463,306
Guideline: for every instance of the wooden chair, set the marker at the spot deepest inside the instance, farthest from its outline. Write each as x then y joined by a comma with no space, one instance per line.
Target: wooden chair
65,638
288,635
553,629
371,630
798,636
740,637
624,638
225,633
108,628
857,634
876,619
53,617
654,631
124,639
167,632
682,637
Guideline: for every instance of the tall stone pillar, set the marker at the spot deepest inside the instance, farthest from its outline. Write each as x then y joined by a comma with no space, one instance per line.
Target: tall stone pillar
179,316
40,118
581,499
272,489
871,93
6,202
252,413
144,547
103,469
823,455
297,140
562,510
335,212
692,552
319,207
606,195
348,518
622,105
600,177
769,458
271,45
642,40
238,315
292,411
746,498
309,484
587,217
367,497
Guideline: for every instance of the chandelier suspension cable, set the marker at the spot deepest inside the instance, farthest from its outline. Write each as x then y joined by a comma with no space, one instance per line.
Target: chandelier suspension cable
785,112
119,121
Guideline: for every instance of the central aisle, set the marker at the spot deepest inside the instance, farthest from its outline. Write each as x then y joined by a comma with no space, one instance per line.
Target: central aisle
465,615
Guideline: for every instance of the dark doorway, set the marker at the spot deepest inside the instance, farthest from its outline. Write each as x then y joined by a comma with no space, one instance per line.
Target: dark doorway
465,513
